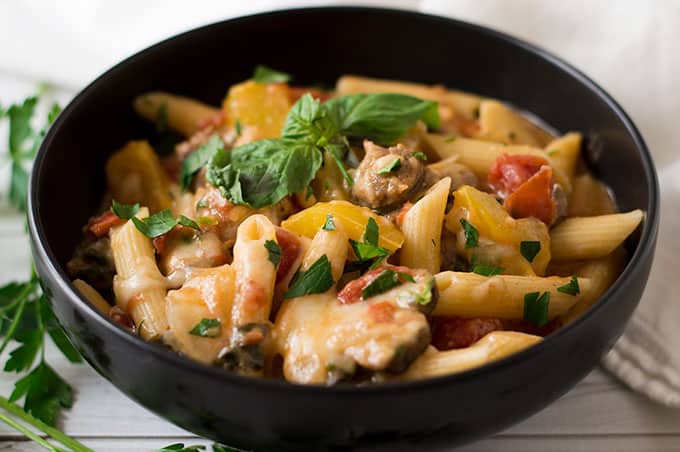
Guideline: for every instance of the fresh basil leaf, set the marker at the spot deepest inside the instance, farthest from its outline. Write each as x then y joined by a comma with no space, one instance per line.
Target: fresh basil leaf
317,279
571,288
391,167
197,160
486,270
155,225
308,121
385,281
336,152
381,117
420,155
274,251
536,308
124,211
263,172
264,74
471,234
188,222
329,225
529,249
207,328
371,232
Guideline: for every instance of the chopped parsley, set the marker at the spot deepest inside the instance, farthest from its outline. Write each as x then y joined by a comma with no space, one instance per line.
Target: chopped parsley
385,281
369,253
487,270
419,155
449,139
264,74
391,167
471,234
571,288
317,279
329,225
529,249
207,328
536,308
124,211
274,251
371,233
188,222
406,277
161,223
237,126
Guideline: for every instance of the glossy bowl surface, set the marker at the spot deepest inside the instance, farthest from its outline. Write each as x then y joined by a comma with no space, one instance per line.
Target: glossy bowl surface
318,45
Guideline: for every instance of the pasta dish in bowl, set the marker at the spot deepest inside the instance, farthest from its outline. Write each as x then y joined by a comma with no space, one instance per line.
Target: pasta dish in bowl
378,231
320,259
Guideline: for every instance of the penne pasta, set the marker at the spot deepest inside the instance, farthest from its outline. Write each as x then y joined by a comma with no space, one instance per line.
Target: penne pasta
465,294
589,197
90,294
138,285
134,175
565,152
331,243
479,155
183,114
422,229
592,237
490,348
498,122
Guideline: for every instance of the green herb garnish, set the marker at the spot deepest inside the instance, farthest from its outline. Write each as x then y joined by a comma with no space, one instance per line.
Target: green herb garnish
449,139
237,126
124,211
385,281
571,288
274,251
156,224
329,225
536,308
471,234
420,155
317,279
188,222
552,152
406,277
391,167
371,233
264,74
486,270
197,160
207,328
529,249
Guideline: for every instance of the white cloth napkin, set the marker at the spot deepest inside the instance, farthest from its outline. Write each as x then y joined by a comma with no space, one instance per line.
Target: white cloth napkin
626,46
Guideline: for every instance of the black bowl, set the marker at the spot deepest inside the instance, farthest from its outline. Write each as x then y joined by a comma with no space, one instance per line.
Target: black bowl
318,45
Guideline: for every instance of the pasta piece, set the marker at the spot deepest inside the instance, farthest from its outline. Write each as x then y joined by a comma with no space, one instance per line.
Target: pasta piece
492,347
331,243
135,175
565,152
602,273
207,296
592,237
498,122
184,115
479,155
422,229
465,104
589,197
90,294
138,285
464,294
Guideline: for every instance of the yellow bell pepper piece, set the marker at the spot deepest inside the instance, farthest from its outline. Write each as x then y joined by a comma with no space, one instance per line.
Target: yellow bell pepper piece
259,108
494,223
353,219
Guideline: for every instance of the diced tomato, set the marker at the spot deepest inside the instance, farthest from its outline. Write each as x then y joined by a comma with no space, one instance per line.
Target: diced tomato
534,197
101,224
455,332
351,293
296,92
402,213
162,242
511,171
290,249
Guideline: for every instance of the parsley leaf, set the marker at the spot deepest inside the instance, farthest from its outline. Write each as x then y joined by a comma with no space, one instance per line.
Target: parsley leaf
329,225
420,155
156,224
197,160
124,211
188,222
486,270
366,251
471,234
264,74
571,288
385,281
237,127
529,249
406,277
317,279
391,167
371,232
274,252
46,393
536,308
207,328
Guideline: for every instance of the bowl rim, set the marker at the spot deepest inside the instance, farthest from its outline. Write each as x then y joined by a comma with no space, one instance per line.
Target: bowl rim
57,273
